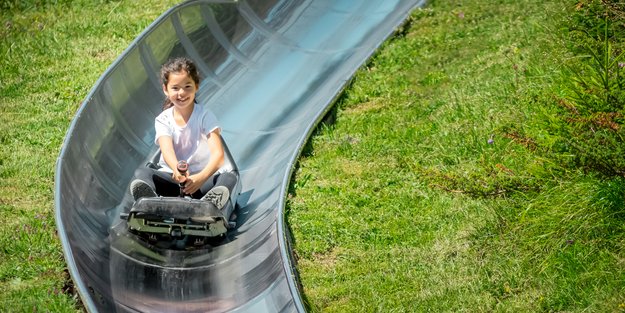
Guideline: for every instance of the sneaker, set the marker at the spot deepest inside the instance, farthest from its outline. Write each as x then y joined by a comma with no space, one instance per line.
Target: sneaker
218,196
140,189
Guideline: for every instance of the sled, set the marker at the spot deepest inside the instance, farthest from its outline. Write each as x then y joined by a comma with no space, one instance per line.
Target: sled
158,219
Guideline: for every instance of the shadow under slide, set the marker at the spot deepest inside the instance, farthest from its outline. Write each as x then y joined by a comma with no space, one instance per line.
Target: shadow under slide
271,70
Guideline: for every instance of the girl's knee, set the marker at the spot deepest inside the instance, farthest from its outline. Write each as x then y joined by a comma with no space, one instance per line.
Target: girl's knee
143,172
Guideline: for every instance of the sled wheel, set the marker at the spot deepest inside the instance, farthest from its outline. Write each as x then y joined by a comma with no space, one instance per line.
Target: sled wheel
176,233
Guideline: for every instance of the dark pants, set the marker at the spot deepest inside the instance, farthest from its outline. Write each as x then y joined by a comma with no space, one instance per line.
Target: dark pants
165,186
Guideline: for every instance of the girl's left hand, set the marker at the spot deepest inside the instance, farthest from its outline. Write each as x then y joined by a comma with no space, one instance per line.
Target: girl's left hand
193,184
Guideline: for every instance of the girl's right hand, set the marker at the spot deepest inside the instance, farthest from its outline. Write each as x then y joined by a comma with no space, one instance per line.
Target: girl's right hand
176,176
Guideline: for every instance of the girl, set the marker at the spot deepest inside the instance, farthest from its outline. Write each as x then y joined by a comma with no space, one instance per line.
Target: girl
185,131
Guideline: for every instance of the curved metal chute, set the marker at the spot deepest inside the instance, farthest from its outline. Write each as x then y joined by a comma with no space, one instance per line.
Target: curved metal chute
271,70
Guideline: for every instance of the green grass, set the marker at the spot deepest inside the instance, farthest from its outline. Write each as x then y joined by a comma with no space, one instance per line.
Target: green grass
51,54
401,205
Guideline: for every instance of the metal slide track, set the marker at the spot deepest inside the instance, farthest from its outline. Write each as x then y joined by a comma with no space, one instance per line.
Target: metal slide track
271,69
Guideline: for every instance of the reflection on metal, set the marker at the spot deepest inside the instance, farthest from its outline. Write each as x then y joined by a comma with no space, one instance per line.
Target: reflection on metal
271,70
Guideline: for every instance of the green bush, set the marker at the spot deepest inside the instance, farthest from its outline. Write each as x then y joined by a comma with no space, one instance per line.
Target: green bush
594,101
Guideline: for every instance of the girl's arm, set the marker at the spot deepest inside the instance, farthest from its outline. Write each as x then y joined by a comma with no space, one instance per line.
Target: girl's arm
216,160
169,155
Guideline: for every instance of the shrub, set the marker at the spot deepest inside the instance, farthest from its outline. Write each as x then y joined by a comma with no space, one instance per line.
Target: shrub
594,104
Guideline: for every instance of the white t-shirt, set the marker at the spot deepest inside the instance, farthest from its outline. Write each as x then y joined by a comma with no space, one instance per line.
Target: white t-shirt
191,140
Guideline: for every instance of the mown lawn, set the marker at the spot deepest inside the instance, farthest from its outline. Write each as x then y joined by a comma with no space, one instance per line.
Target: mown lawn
51,54
439,186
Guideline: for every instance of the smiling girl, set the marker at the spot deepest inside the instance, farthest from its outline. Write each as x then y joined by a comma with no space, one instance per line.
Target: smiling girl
185,131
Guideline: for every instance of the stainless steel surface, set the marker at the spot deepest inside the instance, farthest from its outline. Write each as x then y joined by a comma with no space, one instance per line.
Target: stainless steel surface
271,70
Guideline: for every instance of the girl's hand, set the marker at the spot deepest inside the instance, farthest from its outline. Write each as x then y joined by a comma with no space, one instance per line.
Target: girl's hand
193,183
179,178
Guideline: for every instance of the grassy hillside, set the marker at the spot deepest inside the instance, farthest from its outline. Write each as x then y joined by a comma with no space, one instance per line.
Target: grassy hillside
51,54
449,180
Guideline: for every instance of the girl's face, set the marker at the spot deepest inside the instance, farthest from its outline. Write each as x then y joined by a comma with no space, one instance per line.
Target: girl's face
180,89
